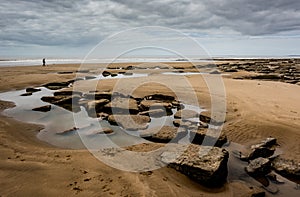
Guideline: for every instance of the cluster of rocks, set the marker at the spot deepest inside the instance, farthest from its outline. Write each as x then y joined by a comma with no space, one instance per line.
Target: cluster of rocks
30,91
262,161
285,70
205,164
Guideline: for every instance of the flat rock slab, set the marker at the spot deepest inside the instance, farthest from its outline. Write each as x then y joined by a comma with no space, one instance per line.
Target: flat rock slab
163,134
206,165
123,106
130,122
45,108
186,114
259,167
155,104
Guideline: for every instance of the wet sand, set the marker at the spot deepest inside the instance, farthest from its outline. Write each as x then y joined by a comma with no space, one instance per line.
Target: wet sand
255,110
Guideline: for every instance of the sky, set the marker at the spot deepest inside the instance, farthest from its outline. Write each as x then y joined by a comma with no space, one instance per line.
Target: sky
71,29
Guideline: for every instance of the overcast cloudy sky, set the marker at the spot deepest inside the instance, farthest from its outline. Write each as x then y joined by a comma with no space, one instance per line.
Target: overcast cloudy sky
58,28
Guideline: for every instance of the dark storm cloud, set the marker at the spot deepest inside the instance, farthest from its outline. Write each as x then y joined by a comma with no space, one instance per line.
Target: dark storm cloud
67,22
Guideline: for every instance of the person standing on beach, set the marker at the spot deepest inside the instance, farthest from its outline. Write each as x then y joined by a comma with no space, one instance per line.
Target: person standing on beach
44,62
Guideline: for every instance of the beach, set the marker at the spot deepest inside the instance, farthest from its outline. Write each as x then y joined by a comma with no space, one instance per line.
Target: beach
256,109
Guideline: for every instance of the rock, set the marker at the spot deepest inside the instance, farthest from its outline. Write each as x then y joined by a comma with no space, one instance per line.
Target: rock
121,105
103,131
160,97
65,72
56,85
156,113
186,114
90,77
205,117
258,194
67,131
197,137
98,95
163,134
130,122
67,93
285,167
269,142
96,105
106,73
33,90
102,115
206,165
155,104
129,68
26,94
114,74
68,102
273,178
45,108
259,167
261,152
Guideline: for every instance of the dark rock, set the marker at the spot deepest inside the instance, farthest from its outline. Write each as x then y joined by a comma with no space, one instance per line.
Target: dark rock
90,77
26,94
67,93
33,90
130,122
206,165
261,152
98,95
106,73
114,74
65,72
259,167
129,68
45,108
160,97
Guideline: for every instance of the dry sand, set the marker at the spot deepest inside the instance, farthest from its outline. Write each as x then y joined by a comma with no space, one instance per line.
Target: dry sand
29,167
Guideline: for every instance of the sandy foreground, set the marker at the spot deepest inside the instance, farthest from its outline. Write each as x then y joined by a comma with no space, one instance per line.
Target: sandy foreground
30,167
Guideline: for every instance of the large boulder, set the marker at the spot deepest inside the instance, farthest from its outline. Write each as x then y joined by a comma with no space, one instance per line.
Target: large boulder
67,102
130,122
206,165
259,167
163,134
